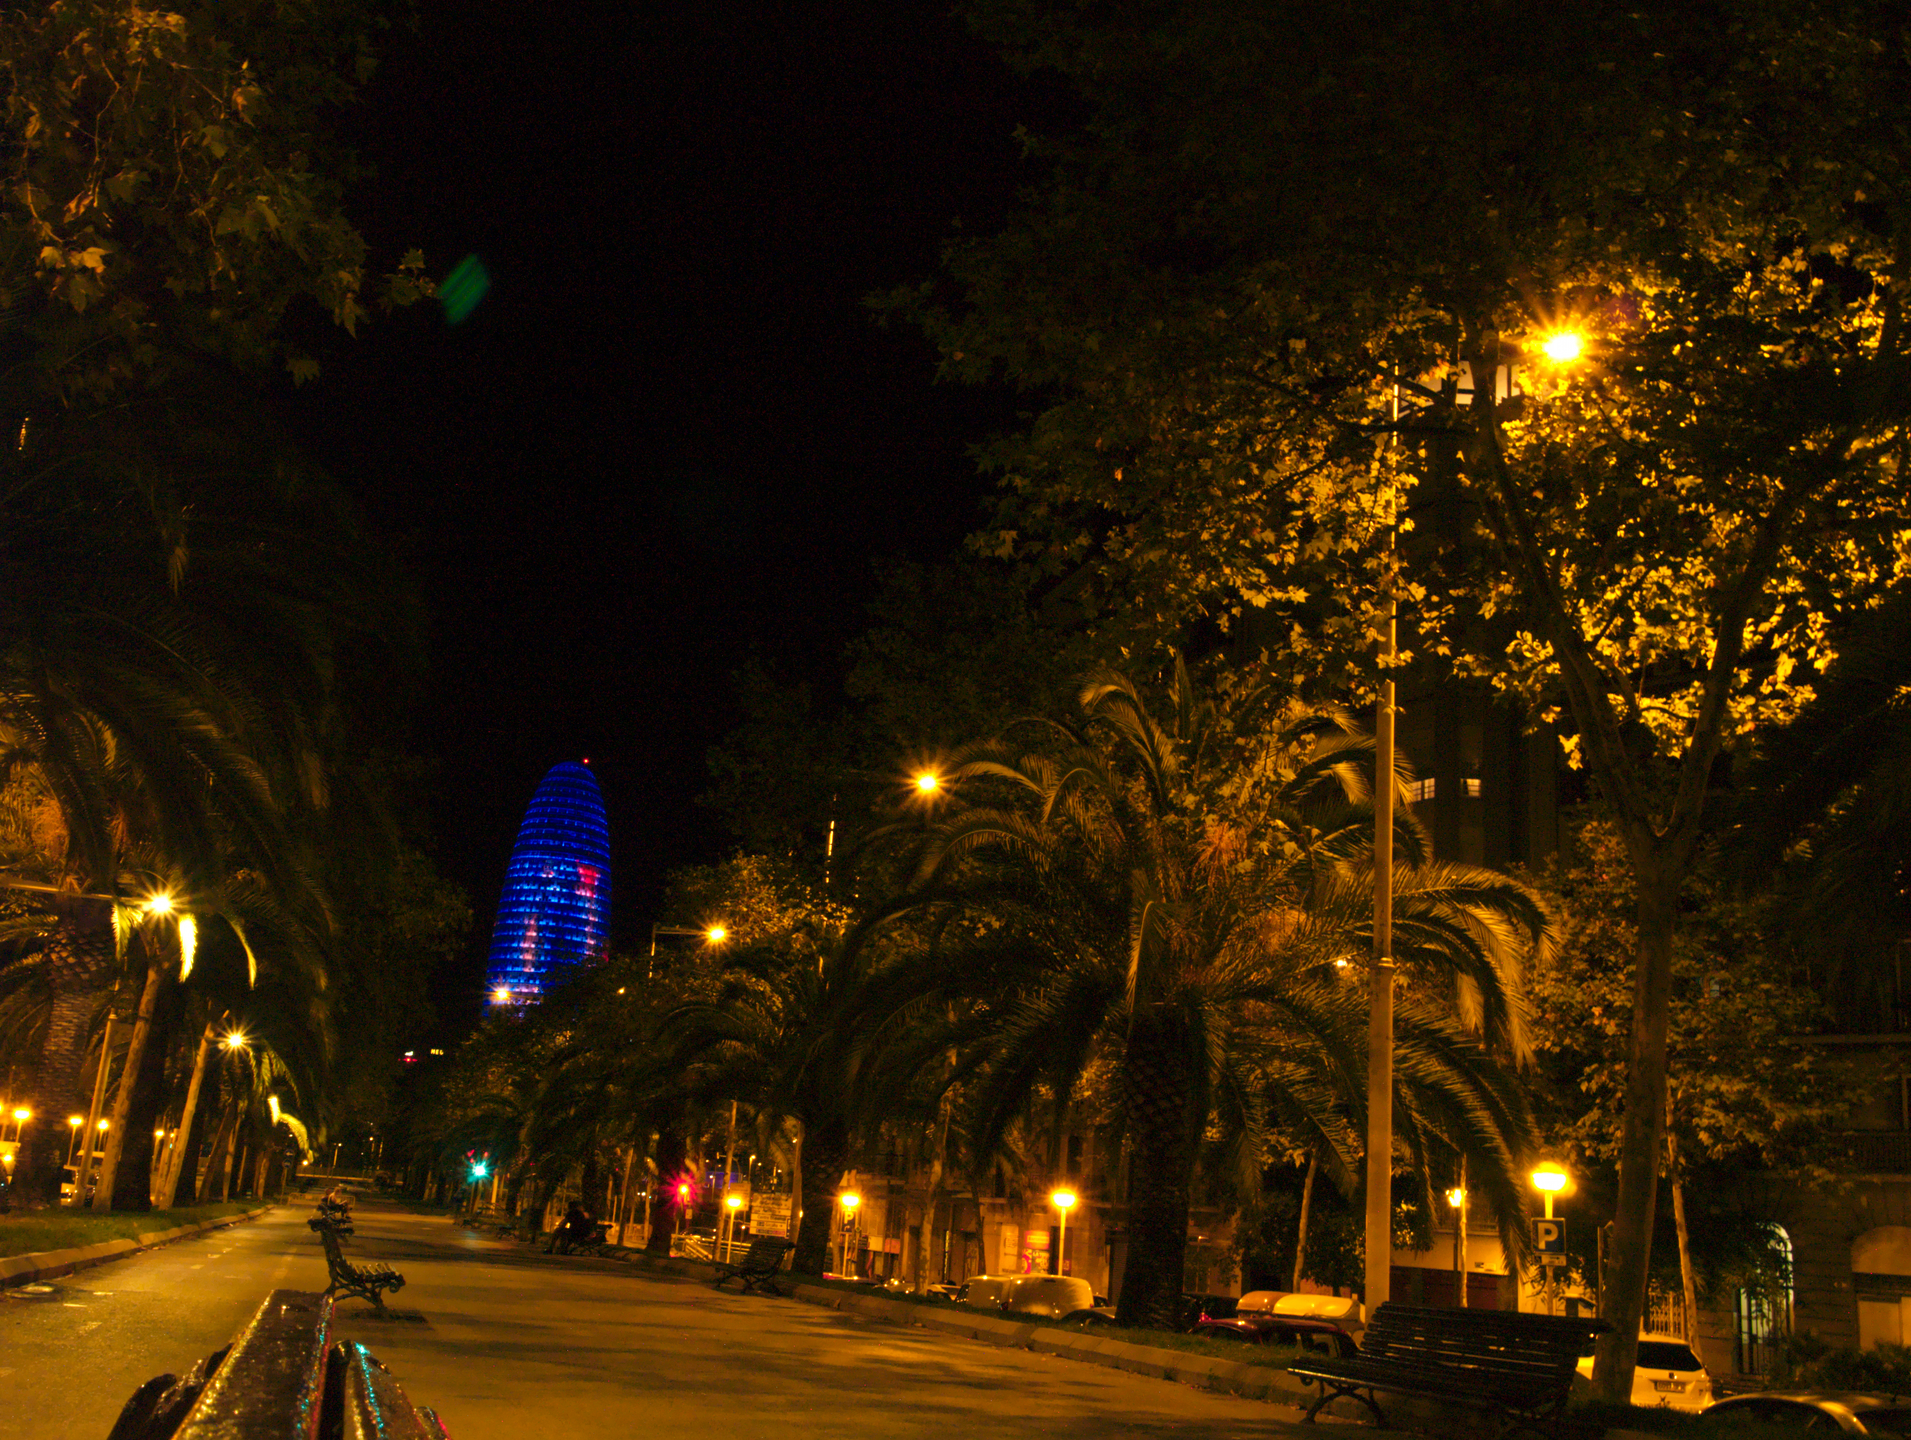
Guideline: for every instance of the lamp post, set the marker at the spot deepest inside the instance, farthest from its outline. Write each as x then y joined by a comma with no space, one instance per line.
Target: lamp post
1550,1180
849,1200
731,1204
1064,1201
1456,1197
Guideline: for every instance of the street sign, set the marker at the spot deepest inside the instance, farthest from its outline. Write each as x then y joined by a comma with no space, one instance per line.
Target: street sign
1549,1239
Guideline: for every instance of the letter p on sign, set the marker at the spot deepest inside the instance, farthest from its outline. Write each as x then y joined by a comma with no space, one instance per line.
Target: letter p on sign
1549,1237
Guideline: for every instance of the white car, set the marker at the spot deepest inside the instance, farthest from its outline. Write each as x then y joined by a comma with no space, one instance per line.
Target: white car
1668,1374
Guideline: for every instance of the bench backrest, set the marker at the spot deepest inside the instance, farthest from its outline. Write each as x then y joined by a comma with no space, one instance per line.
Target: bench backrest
765,1252
334,1252
1501,1343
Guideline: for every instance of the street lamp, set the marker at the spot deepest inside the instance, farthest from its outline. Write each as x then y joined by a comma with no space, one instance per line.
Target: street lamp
73,1148
716,934
1456,1197
731,1203
849,1200
1563,347
235,1040
1064,1201
1550,1180
928,782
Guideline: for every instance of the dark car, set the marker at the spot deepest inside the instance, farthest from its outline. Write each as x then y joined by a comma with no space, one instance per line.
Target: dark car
1828,1411
1196,1308
1316,1337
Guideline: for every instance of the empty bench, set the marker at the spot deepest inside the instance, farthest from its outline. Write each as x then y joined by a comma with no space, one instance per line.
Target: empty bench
368,1282
1519,1367
759,1266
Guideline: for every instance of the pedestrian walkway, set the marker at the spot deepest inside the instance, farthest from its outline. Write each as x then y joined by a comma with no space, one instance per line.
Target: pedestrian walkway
506,1342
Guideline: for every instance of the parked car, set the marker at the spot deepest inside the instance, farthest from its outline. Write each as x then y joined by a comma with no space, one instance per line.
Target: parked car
1096,1317
1317,1337
951,1293
1668,1374
1055,1296
1823,1410
985,1292
1196,1308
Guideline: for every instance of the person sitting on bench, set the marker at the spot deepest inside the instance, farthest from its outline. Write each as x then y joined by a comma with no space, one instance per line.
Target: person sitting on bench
576,1228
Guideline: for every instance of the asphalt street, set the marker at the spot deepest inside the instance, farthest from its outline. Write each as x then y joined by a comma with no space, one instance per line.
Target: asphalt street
505,1342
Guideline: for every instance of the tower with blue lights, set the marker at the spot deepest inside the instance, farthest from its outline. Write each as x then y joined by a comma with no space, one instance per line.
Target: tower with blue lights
555,910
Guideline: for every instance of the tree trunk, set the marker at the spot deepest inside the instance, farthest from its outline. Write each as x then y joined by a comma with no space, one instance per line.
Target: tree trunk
591,1181
672,1151
825,1158
1160,1098
1689,1283
185,1177
133,1182
178,1163
1642,1139
127,1098
1307,1206
79,958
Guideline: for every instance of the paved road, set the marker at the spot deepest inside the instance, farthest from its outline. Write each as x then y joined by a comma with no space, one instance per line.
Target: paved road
506,1342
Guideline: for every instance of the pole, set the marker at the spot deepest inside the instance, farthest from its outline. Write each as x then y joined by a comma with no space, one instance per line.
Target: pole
1459,1236
1379,1230
1550,1270
728,1234
1061,1244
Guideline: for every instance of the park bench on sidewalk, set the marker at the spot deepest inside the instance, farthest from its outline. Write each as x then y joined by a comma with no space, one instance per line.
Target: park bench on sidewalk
1520,1367
759,1266
280,1377
368,1282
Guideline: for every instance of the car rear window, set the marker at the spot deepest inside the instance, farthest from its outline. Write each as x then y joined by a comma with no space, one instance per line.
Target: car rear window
1220,1307
1663,1355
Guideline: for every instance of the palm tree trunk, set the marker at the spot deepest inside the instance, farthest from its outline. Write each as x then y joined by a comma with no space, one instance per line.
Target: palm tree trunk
133,1189
825,1157
169,1185
1307,1205
79,958
129,1078
672,1151
1160,1096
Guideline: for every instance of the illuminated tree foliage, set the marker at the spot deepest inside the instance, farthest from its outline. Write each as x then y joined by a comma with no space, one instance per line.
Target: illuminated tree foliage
1253,302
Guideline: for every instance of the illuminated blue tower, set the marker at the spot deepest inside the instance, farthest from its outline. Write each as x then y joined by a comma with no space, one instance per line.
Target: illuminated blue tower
555,910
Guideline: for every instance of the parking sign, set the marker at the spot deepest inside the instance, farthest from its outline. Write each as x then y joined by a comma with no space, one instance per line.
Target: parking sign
1549,1239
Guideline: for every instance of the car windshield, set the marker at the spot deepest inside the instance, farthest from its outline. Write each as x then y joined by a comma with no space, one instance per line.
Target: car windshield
1666,1355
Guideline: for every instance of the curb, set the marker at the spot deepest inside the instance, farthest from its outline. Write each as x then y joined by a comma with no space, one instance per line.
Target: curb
46,1264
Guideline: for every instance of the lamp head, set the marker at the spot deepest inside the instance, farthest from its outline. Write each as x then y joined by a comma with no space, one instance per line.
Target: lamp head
76,1121
927,782
160,904
1063,1200
735,1202
1563,347
1550,1178
1456,1197
850,1199
22,1114
717,934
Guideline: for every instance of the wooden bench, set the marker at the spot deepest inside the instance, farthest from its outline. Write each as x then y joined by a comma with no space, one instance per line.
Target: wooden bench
759,1266
283,1375
368,1282
1517,1366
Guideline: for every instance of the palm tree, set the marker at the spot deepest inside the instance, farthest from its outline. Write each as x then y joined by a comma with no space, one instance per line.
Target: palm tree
1174,903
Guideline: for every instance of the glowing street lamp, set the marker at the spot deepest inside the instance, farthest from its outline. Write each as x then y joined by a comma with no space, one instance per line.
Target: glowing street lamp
1563,347
1549,1180
849,1200
927,782
1456,1197
73,1149
160,904
717,934
235,1040
732,1203
1064,1201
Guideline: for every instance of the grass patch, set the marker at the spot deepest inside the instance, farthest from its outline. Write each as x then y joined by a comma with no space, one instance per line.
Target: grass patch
32,1231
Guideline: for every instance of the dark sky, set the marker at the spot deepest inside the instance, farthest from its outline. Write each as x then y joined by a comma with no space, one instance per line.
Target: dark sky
671,432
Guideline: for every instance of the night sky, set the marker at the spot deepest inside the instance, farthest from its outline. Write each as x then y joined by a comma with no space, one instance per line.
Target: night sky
672,433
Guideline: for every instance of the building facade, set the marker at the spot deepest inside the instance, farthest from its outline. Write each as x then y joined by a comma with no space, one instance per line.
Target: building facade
554,913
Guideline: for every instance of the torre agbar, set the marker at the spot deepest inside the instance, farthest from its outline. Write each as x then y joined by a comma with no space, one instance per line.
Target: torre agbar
555,910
